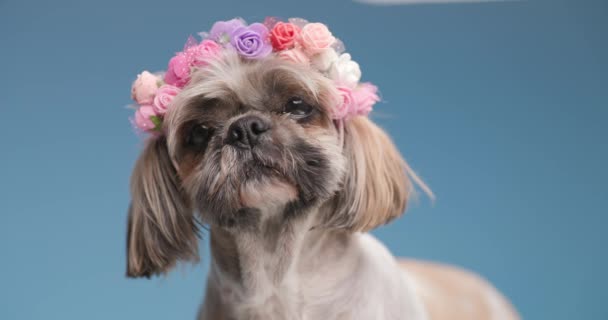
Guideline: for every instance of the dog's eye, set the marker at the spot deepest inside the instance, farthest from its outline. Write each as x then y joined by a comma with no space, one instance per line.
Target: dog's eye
298,108
199,136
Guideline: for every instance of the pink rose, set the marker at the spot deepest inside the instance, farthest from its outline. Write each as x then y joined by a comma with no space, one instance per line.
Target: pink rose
205,52
178,71
164,97
344,104
144,88
283,35
365,96
295,56
145,118
315,37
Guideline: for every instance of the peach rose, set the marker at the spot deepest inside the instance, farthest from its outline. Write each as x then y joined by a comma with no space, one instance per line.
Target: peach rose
144,88
315,37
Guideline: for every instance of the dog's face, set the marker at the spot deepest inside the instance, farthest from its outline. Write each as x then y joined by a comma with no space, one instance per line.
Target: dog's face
248,141
252,139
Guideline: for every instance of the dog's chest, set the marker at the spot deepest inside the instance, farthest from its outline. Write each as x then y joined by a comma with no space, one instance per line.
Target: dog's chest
357,280
262,299
293,299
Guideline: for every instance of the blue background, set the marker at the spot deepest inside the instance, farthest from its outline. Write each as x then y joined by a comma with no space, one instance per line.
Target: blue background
501,107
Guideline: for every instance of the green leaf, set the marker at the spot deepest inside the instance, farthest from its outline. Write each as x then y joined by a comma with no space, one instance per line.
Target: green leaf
158,122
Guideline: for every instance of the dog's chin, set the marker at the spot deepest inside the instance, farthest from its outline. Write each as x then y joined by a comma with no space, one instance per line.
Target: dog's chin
269,193
265,187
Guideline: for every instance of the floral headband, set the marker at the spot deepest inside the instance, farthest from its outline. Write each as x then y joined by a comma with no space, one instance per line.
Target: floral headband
297,41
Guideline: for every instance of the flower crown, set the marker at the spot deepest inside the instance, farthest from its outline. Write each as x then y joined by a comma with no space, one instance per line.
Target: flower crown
297,41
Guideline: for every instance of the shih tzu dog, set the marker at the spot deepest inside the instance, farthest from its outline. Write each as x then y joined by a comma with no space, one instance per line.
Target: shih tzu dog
260,133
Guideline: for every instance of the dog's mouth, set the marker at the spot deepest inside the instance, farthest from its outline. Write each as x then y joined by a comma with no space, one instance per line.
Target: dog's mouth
257,170
272,170
259,163
268,179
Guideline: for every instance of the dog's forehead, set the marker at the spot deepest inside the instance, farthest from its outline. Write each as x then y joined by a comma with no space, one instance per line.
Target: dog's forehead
255,84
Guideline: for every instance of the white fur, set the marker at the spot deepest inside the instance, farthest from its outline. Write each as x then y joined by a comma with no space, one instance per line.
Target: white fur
319,275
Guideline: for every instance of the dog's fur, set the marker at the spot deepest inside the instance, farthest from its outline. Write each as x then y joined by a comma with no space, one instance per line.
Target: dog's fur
287,216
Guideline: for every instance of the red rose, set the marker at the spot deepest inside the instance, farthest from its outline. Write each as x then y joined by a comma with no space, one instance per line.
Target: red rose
283,35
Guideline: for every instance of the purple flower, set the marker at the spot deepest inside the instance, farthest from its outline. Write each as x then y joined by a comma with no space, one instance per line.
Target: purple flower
221,31
252,41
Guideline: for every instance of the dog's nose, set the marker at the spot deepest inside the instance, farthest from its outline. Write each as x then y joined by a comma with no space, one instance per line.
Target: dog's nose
246,131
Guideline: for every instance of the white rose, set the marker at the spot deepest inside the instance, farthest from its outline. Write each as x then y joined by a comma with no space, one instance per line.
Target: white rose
323,60
345,71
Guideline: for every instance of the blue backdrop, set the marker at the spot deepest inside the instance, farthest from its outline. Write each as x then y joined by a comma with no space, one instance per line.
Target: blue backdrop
500,106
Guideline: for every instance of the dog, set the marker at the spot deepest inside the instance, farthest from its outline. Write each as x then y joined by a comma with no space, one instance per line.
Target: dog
250,151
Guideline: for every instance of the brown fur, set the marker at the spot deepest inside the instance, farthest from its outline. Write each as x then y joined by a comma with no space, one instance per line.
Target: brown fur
224,252
161,229
377,187
453,293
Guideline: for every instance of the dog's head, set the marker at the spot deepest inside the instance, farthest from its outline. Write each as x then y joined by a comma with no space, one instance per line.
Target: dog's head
250,140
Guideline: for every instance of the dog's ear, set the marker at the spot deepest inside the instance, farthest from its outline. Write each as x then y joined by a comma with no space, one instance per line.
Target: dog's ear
161,227
376,185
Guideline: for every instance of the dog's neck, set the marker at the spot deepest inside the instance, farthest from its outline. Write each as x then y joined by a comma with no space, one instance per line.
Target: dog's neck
265,270
288,269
